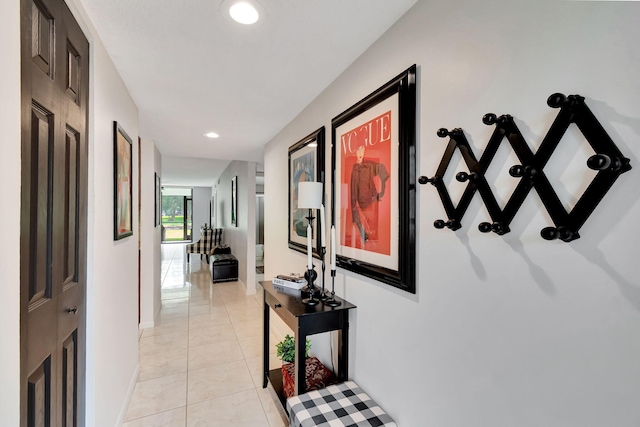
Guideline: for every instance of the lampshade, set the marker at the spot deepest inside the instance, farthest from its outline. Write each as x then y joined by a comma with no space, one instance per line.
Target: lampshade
309,195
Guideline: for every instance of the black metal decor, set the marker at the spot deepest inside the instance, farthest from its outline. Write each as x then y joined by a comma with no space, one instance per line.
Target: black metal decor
608,161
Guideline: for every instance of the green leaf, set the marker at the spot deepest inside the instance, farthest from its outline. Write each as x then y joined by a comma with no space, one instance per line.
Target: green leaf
286,349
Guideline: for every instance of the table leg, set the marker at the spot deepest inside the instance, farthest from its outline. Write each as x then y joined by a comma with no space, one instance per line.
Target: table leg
265,342
343,348
300,361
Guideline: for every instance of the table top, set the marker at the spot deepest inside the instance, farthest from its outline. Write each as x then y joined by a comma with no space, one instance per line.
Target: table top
291,300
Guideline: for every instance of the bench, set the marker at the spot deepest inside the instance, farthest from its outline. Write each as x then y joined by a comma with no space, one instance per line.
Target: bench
224,268
343,404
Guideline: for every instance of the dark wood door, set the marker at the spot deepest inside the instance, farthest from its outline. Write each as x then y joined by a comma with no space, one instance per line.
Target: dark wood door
55,85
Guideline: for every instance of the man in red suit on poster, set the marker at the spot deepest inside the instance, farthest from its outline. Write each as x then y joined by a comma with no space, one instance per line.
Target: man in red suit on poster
365,196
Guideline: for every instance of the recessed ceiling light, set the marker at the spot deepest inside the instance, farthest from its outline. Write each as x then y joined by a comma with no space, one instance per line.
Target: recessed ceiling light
211,135
244,13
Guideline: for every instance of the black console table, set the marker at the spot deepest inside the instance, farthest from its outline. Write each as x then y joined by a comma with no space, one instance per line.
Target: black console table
304,321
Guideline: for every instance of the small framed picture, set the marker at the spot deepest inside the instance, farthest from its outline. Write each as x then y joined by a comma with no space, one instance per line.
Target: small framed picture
122,183
158,199
306,163
234,201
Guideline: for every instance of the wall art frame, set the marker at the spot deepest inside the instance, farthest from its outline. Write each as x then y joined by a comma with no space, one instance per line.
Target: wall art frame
373,163
122,183
234,201
158,199
212,212
306,163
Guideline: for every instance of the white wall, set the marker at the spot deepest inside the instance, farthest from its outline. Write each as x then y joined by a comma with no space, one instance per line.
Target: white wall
10,212
150,236
241,238
504,330
112,282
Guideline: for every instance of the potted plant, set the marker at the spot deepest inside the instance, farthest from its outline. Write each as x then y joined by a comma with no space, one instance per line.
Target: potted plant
315,372
286,349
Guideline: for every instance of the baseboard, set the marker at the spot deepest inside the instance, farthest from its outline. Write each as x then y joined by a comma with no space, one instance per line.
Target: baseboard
146,325
127,400
248,291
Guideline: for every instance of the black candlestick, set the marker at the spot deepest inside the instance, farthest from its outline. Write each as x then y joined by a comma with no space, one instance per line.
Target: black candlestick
331,302
323,295
310,275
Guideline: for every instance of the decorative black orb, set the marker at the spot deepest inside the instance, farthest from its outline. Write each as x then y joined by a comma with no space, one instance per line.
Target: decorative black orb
489,119
502,120
438,223
599,162
516,171
565,234
549,233
462,176
484,227
556,100
497,227
453,224
423,180
442,132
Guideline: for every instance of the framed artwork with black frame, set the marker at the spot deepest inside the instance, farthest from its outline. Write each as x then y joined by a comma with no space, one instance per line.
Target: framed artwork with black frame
234,201
306,163
158,197
373,164
122,184
212,212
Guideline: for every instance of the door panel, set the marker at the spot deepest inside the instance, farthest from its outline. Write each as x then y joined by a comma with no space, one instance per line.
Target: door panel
42,37
72,158
69,380
40,200
39,390
55,83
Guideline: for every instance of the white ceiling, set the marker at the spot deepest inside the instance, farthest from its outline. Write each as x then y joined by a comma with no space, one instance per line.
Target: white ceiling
191,69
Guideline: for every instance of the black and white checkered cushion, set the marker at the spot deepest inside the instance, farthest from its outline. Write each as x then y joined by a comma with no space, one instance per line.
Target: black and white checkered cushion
338,405
204,245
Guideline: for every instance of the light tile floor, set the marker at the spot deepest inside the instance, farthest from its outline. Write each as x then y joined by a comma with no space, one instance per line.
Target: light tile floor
201,365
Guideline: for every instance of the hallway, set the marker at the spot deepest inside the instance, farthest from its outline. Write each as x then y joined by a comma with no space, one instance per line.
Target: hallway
201,364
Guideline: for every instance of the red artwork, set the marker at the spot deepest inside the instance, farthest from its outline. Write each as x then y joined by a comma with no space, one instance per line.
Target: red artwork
366,164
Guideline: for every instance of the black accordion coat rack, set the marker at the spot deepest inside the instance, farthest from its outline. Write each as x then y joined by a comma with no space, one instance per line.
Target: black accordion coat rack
608,161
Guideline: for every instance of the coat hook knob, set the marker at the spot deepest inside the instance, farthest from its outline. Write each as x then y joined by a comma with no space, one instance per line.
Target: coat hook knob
423,180
484,227
453,224
518,171
489,119
497,228
556,100
600,162
552,233
443,132
463,176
